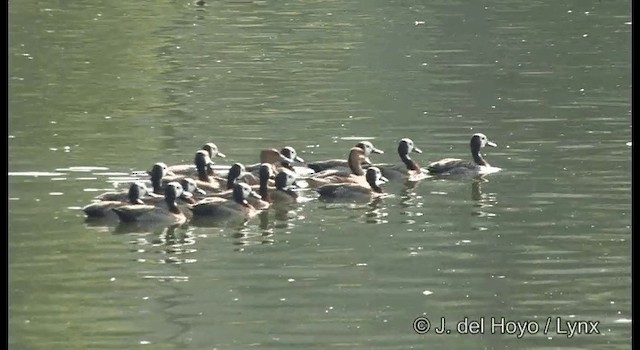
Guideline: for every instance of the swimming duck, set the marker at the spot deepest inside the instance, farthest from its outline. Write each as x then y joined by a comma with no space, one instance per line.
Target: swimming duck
204,181
255,178
453,166
190,190
158,172
284,192
366,146
285,158
355,174
160,214
266,174
410,167
353,191
102,208
220,208
190,185
190,169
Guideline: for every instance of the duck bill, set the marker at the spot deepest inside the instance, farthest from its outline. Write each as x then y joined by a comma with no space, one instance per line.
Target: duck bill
201,191
255,195
417,150
286,160
186,195
298,159
221,155
491,144
377,150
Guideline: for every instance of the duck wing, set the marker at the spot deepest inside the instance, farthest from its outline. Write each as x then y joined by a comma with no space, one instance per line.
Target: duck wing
447,164
342,190
328,164
101,209
132,213
114,196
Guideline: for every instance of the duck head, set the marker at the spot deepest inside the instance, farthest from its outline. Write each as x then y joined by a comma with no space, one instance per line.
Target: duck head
158,171
213,151
285,180
242,191
137,190
190,185
375,179
203,164
236,171
478,141
407,146
368,148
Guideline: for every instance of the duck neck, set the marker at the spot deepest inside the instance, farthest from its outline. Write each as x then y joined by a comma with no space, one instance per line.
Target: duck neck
134,196
287,165
477,158
203,174
355,166
156,182
410,163
231,180
291,193
376,188
171,203
264,190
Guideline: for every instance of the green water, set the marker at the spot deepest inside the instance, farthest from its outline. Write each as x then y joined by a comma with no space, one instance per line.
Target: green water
97,89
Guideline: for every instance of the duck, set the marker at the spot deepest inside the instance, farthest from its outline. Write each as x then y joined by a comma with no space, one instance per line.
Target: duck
410,166
353,191
168,214
342,164
285,158
284,191
454,166
158,172
355,174
266,174
190,185
190,169
220,208
204,180
102,208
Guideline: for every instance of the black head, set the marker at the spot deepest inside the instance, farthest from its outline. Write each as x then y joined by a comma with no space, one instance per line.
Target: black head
137,190
159,171
242,191
407,146
266,172
172,191
202,160
375,178
478,141
285,179
290,154
236,171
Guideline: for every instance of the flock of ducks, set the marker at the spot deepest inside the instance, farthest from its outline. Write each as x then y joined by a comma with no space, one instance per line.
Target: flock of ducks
202,190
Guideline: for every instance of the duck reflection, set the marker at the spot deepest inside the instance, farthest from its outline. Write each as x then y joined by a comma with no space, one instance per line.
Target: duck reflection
376,212
483,201
172,244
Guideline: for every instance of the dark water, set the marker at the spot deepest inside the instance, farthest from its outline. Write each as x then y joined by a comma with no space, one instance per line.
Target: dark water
99,89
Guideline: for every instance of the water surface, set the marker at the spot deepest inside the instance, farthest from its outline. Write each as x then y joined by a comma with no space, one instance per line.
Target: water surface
99,90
